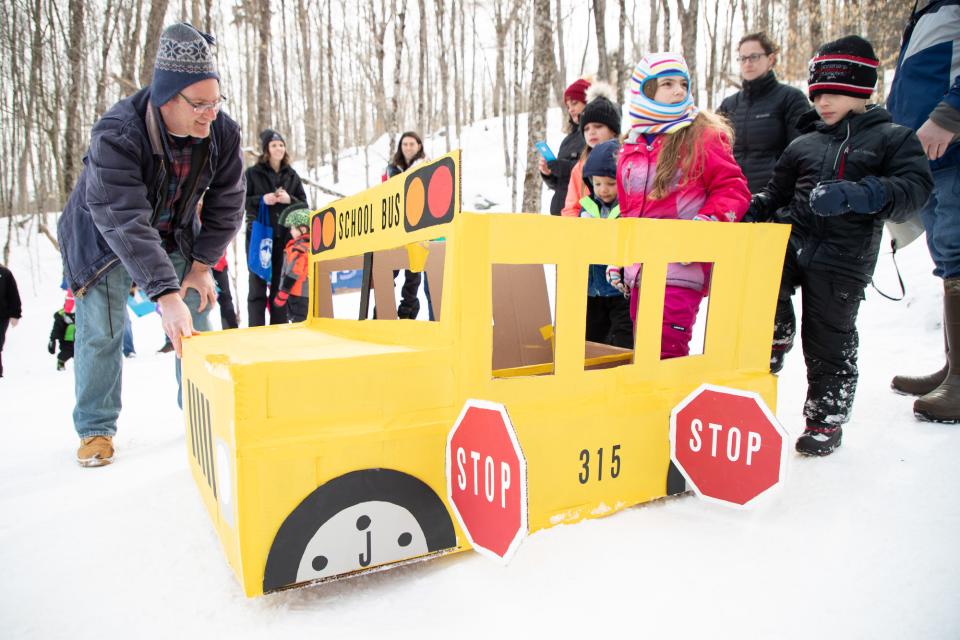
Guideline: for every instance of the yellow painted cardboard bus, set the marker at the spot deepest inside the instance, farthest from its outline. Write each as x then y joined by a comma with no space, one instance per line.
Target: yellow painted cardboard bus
320,449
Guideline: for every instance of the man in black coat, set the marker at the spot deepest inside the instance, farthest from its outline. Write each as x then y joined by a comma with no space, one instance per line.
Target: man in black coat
10,308
836,185
133,216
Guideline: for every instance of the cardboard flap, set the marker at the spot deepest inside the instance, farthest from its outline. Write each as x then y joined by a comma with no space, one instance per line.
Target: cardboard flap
521,308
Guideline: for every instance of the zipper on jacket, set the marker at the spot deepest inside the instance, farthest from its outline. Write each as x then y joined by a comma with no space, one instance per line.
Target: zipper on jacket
841,152
79,293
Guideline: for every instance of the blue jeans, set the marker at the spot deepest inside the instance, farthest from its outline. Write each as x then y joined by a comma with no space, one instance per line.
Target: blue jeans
98,348
127,334
941,219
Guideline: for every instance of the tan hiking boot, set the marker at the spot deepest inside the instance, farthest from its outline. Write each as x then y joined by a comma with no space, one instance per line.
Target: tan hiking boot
95,451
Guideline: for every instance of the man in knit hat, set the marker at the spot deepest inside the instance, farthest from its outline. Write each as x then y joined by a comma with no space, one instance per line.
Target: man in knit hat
132,217
836,185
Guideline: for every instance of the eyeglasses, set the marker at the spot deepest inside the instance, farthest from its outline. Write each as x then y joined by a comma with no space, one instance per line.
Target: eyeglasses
753,57
200,107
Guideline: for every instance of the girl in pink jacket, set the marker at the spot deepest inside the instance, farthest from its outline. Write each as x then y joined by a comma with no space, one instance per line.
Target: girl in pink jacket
676,163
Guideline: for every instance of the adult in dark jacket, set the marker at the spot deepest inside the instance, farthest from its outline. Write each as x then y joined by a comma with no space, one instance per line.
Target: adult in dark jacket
278,184
556,173
409,153
926,96
10,308
836,185
764,113
133,216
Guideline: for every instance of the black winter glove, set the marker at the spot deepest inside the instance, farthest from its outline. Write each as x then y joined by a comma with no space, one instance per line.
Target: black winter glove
757,211
51,347
837,197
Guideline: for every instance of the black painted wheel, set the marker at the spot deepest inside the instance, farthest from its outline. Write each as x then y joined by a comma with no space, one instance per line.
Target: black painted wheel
359,520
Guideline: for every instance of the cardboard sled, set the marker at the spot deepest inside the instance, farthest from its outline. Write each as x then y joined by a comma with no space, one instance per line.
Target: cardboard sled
339,446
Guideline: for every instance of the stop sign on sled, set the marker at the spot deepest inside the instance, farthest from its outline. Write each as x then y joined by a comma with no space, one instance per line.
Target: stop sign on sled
487,479
727,444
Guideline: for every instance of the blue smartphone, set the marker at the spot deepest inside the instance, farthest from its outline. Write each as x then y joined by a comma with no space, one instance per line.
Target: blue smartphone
545,151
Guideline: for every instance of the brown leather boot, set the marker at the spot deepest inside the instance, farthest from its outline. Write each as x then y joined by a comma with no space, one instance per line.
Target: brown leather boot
921,385
943,403
95,451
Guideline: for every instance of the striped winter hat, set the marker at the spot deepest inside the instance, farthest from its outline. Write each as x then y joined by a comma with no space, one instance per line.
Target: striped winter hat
847,67
651,116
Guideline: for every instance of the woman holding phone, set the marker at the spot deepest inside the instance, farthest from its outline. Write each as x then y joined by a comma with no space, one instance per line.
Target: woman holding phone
274,181
556,173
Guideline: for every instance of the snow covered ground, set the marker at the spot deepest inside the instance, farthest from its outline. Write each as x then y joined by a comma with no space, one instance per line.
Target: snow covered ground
862,544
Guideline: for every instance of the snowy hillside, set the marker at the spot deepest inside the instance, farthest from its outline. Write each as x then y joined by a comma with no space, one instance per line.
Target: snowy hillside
862,544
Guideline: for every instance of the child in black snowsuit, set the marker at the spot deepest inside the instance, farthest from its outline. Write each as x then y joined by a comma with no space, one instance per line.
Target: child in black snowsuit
64,327
837,184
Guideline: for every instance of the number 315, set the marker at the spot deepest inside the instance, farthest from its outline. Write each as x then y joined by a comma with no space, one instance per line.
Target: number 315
584,475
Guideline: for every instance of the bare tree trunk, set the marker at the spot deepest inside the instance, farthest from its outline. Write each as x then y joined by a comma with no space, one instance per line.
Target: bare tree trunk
665,4
473,67
654,39
128,52
560,77
444,74
458,88
309,95
537,117
603,67
503,18
688,38
791,62
333,119
815,16
71,143
621,76
398,31
107,33
151,40
517,88
422,69
263,65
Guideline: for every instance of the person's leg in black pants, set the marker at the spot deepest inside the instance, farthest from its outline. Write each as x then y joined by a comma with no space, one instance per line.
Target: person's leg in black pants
4,322
828,332
278,315
621,326
256,295
228,314
785,321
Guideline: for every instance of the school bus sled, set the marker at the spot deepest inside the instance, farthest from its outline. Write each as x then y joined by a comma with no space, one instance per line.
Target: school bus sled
322,449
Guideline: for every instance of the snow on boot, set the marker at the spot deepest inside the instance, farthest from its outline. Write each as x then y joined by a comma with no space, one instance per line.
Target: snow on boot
943,403
921,385
819,439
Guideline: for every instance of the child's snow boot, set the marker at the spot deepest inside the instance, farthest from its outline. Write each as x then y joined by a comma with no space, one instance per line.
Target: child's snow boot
61,365
819,439
943,403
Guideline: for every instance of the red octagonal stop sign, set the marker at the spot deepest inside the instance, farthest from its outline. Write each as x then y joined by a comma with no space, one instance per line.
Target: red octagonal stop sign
727,444
487,479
